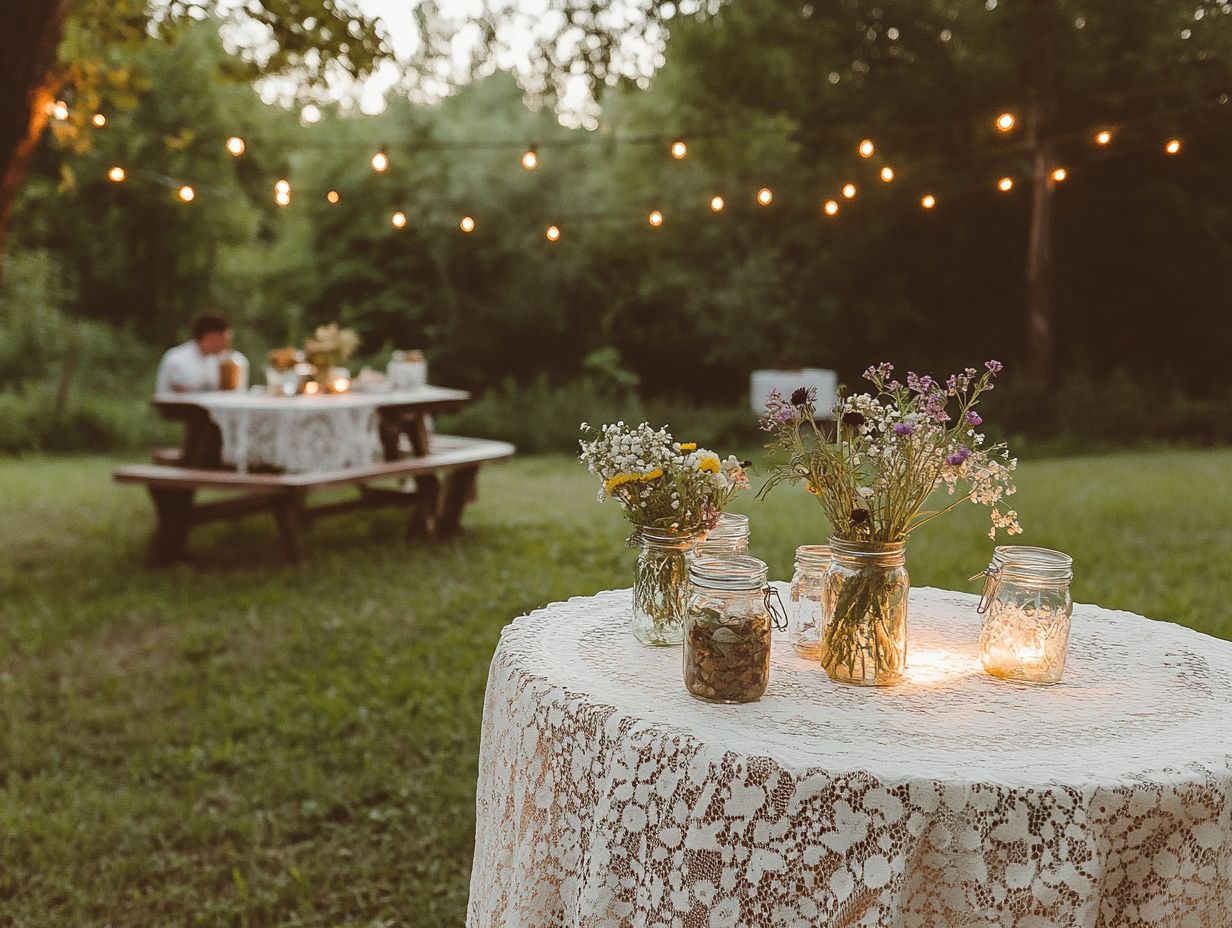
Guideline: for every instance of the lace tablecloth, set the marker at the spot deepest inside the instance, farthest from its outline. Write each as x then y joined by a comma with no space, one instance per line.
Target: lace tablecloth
303,434
608,796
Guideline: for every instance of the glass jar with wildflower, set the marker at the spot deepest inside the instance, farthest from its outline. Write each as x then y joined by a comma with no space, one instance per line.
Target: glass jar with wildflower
673,494
891,450
329,346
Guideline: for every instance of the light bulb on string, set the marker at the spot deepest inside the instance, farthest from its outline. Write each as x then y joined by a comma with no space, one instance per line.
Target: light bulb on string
1173,147
467,224
655,219
830,208
679,149
887,174
866,148
282,186
928,201
99,120
59,109
1058,175
236,146
1103,137
1005,184
765,196
380,162
117,175
282,197
530,158
332,197
849,191
717,203
552,234
1005,122
398,220
186,194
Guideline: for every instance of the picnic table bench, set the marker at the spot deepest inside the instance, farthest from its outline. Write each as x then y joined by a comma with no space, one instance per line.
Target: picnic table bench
434,476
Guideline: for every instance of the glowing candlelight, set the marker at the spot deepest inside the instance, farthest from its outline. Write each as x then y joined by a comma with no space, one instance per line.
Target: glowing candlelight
311,388
341,384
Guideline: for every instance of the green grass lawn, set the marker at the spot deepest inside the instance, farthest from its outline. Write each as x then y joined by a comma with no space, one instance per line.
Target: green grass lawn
244,743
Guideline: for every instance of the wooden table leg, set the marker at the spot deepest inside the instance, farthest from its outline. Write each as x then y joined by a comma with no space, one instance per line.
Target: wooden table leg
173,507
421,441
289,514
427,510
459,490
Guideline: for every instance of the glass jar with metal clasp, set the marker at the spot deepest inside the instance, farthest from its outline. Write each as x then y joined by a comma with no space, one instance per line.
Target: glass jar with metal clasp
1027,607
732,612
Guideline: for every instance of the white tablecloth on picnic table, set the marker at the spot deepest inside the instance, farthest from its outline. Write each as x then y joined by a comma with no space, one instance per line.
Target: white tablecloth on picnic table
303,434
607,796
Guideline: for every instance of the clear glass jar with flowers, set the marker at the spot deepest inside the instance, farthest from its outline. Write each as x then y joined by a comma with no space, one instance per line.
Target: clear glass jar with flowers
673,493
875,476
329,346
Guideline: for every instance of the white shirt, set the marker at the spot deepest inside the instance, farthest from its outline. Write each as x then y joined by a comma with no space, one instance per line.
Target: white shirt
185,368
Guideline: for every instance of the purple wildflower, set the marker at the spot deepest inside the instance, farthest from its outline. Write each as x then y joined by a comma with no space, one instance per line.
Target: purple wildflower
955,459
903,428
994,366
934,407
918,384
879,372
973,418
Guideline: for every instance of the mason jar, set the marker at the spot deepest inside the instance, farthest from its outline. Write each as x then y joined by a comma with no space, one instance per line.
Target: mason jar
729,538
864,642
1026,606
661,585
806,614
728,630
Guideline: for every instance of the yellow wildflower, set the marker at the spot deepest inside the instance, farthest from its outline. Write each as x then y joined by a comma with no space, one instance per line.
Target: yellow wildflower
613,483
688,446
651,475
709,464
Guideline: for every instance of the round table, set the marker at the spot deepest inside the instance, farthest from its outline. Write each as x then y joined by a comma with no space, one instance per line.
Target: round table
609,796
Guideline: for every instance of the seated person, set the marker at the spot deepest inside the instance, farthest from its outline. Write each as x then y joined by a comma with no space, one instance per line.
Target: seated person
193,366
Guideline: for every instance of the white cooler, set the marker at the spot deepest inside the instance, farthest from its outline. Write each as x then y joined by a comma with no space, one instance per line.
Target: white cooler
762,383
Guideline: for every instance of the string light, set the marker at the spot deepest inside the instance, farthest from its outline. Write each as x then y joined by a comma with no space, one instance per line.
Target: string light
530,158
333,196
282,193
887,173
1103,137
679,149
187,194
117,175
866,148
1006,121
467,224
1005,184
849,191
1173,146
398,219
655,219
282,186
765,196
552,234
59,109
380,162
1059,174
717,203
928,201
99,120
831,208
236,146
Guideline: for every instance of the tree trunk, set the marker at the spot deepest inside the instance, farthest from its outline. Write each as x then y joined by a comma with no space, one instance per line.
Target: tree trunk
1042,80
29,34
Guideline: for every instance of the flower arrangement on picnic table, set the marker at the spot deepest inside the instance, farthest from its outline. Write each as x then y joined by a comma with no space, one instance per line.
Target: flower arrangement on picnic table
674,493
890,451
329,346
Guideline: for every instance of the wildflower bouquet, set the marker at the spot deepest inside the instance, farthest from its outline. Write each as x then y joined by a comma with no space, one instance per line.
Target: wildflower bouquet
891,450
329,346
673,493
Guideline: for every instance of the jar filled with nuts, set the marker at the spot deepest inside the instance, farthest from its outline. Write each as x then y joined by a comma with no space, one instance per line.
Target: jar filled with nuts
728,628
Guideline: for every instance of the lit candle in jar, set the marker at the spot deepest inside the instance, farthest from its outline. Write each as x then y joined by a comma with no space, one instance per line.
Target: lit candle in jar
341,384
1026,606
311,388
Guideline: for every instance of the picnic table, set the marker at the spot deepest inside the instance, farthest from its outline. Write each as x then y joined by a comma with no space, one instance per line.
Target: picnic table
273,451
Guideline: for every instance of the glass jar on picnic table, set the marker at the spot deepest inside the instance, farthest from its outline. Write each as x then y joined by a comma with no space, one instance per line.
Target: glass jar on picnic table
728,629
729,538
661,585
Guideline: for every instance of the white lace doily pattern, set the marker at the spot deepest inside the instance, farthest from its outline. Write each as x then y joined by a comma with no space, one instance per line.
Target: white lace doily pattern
607,796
